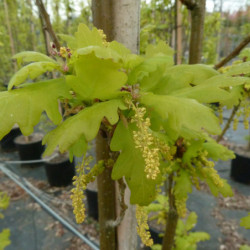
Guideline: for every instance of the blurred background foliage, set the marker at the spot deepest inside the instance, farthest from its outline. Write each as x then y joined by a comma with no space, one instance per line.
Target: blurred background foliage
21,28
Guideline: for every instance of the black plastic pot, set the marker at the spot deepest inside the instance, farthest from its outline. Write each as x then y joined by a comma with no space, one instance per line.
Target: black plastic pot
7,143
32,149
92,201
155,235
240,169
60,172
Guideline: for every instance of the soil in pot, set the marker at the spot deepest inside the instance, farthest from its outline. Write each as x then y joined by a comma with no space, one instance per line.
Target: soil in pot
29,147
7,143
60,170
240,166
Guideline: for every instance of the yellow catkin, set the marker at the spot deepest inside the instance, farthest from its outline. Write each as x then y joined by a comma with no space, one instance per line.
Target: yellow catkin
246,111
104,38
144,141
181,207
80,182
206,168
142,228
235,123
220,114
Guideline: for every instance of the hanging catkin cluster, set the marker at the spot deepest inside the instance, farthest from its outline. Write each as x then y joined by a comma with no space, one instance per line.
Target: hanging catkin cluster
80,182
206,168
144,141
142,228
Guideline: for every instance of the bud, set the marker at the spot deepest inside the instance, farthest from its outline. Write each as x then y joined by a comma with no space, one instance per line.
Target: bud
65,68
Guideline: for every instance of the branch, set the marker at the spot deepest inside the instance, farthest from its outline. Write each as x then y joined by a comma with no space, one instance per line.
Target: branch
47,22
190,4
234,53
228,122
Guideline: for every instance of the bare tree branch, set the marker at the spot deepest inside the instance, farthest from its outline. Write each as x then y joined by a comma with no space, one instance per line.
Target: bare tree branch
234,53
47,22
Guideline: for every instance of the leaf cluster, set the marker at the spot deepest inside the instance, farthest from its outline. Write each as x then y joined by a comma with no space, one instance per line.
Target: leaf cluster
103,81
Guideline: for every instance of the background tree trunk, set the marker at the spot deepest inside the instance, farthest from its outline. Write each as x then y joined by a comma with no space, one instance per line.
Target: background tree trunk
12,45
178,32
197,9
120,21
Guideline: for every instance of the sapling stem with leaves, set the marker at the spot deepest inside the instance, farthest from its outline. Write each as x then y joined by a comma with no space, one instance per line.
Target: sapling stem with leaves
154,115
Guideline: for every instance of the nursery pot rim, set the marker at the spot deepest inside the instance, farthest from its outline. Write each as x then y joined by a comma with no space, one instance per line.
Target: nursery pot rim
18,139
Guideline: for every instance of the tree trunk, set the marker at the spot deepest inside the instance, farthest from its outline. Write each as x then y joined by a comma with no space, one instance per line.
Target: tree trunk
197,9
106,195
120,21
12,45
172,218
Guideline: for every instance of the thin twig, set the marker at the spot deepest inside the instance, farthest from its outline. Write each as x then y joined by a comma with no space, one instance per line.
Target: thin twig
47,22
234,53
228,122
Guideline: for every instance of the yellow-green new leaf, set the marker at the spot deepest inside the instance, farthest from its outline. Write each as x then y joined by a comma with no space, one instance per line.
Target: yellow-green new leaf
32,56
182,112
100,52
32,71
96,78
239,69
182,76
131,164
161,48
212,89
82,127
86,37
25,105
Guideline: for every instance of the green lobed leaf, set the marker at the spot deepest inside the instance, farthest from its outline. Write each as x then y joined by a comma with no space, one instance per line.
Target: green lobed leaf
245,222
160,49
100,52
146,67
86,37
32,71
32,56
217,151
226,190
182,76
4,238
74,132
96,78
183,185
25,105
130,60
192,150
211,90
182,112
238,69
131,164
191,221
245,54
236,94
